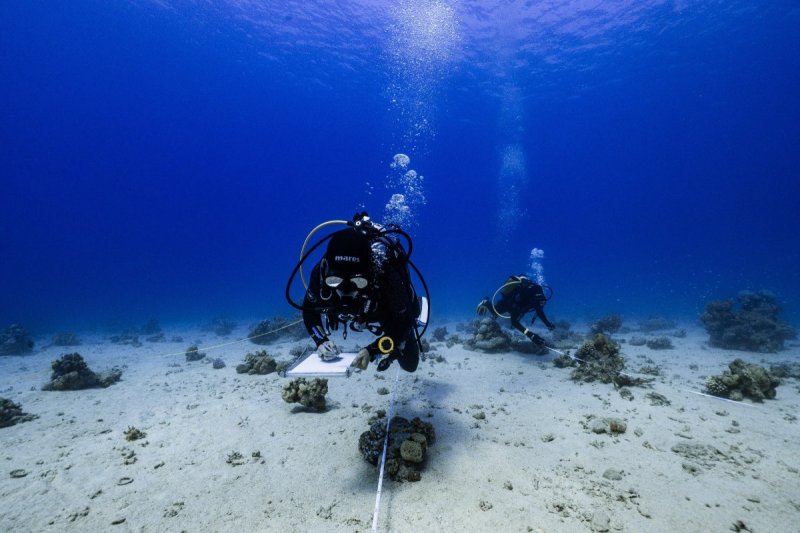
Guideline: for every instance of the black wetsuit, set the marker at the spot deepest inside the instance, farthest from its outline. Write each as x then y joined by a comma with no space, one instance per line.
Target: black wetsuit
389,307
522,298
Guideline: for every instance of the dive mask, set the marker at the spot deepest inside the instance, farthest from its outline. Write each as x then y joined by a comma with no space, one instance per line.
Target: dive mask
359,282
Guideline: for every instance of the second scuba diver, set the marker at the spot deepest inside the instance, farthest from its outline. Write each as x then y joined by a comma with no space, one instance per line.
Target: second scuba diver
520,295
363,282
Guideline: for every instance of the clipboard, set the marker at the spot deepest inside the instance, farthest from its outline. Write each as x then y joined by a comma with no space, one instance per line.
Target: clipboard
312,365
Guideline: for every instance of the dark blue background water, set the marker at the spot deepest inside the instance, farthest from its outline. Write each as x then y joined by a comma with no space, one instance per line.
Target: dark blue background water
168,160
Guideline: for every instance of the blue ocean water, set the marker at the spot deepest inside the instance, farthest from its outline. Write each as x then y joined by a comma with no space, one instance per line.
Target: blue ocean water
167,158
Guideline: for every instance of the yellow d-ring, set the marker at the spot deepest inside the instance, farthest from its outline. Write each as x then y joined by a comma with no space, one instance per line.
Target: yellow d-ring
385,344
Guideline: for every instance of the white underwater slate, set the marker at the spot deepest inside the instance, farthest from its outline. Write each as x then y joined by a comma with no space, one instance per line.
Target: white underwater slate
312,365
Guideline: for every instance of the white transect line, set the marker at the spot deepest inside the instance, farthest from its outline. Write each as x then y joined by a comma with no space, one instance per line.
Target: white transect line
585,362
719,398
215,346
383,455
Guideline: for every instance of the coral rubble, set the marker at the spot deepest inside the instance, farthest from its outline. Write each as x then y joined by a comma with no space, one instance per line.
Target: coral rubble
750,323
660,343
439,334
309,394
608,324
260,333
785,370
193,353
406,447
71,372
133,433
15,340
743,380
452,340
127,338
11,413
609,425
598,359
636,340
489,337
564,338
657,399
66,338
221,327
257,363
235,459
271,330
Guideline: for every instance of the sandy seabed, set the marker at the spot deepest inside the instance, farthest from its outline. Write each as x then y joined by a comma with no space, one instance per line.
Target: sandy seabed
530,462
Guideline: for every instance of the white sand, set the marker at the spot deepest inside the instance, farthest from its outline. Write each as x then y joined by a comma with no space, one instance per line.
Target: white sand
499,474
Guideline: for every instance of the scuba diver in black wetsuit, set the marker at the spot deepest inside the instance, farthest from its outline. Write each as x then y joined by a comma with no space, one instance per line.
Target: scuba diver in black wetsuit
520,295
363,282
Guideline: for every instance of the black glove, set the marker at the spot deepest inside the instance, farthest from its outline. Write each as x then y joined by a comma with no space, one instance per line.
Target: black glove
535,339
550,327
483,307
538,343
385,363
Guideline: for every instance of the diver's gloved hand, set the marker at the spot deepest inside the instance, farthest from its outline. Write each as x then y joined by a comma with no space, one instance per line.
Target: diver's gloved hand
385,363
535,339
550,327
328,351
538,343
363,359
483,307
